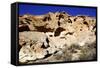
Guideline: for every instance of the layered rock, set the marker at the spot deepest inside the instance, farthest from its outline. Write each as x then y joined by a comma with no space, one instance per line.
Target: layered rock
56,37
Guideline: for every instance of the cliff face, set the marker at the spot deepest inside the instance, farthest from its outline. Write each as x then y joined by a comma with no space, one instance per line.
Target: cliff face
55,37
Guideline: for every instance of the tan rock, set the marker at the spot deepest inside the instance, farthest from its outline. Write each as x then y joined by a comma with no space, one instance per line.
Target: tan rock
41,37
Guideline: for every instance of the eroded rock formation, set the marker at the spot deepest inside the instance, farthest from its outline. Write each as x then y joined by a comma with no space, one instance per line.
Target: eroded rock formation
55,37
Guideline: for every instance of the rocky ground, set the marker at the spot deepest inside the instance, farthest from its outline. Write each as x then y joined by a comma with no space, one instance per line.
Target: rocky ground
56,37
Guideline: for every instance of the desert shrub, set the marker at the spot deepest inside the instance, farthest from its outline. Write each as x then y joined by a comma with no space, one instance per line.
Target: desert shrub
88,52
73,48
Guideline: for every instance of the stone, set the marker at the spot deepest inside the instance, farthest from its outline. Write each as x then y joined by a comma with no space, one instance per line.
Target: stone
51,37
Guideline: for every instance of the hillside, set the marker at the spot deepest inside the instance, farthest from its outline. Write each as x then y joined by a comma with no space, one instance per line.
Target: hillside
56,37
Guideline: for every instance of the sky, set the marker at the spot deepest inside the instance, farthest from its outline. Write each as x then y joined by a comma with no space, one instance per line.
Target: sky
42,9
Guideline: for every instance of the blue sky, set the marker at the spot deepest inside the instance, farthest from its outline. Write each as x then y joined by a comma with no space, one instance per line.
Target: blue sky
42,9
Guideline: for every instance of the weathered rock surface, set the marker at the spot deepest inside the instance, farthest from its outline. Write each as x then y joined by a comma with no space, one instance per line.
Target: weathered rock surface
55,37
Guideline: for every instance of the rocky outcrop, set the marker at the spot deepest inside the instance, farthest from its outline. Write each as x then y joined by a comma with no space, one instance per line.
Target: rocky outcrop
55,37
